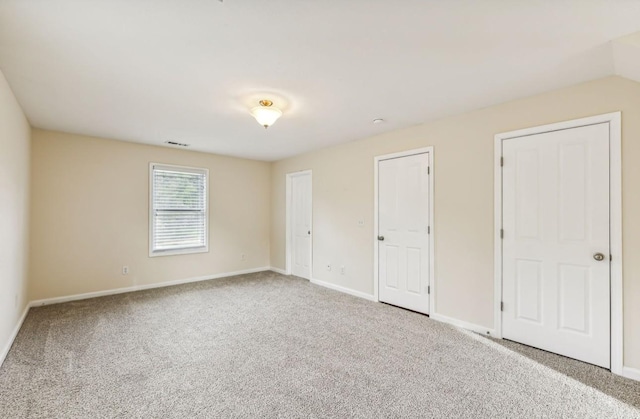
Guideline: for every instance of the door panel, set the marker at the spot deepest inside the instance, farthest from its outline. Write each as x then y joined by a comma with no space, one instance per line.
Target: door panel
403,221
414,275
555,218
573,192
528,290
528,205
392,264
574,298
301,225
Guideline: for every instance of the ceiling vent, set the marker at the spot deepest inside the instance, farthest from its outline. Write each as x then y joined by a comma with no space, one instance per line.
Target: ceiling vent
177,144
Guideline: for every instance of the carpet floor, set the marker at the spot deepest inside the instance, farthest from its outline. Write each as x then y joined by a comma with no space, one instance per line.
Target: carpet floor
601,379
267,345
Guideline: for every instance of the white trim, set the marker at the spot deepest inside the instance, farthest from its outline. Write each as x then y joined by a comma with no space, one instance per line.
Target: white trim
432,234
615,196
631,373
376,160
14,334
376,249
344,290
278,270
615,169
464,325
76,297
497,240
288,229
287,232
184,251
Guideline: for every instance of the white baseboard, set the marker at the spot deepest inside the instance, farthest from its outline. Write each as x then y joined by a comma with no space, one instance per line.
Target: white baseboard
76,297
343,289
465,325
631,373
12,337
278,270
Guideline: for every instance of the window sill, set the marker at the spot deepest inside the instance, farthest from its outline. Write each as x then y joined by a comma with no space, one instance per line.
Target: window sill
174,252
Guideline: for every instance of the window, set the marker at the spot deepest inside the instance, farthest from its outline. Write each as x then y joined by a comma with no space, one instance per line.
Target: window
178,210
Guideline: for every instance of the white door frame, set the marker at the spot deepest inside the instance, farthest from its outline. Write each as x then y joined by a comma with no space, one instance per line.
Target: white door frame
376,160
289,229
615,225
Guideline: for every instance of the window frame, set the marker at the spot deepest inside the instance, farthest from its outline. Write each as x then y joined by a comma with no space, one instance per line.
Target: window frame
178,251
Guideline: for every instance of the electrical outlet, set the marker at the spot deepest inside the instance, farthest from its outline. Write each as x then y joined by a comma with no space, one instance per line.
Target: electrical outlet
243,257
342,270
360,223
328,267
125,270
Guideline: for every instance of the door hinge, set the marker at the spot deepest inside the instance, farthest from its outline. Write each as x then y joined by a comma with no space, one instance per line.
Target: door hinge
501,233
428,229
501,161
429,289
501,306
428,170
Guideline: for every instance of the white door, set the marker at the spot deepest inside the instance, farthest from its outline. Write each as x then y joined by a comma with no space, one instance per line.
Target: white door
301,225
403,232
555,285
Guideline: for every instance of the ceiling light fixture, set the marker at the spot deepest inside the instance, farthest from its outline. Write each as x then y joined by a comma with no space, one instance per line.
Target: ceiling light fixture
266,114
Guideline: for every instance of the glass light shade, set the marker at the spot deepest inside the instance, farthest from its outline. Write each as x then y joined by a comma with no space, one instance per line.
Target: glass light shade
266,115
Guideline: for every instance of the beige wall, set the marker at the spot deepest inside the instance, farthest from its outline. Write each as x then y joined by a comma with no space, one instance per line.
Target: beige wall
14,212
343,194
90,215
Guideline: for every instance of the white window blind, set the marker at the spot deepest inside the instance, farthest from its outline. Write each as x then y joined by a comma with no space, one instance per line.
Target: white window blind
178,210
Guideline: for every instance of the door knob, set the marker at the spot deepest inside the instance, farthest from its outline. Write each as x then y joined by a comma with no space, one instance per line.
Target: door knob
599,257
381,238
309,232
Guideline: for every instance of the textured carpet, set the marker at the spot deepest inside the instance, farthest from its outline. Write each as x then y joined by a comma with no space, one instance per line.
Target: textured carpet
265,345
621,388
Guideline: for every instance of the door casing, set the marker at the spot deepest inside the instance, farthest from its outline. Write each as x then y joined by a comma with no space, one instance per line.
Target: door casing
615,224
376,160
289,227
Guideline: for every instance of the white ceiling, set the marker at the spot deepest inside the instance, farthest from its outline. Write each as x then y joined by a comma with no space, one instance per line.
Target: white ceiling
189,70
